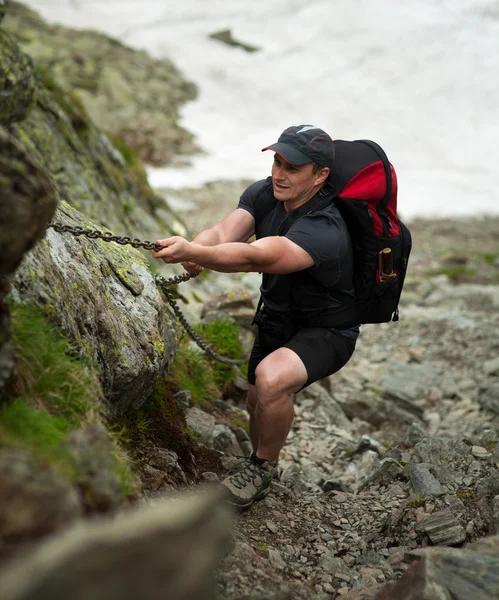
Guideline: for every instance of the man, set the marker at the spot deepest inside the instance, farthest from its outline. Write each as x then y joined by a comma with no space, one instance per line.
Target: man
307,328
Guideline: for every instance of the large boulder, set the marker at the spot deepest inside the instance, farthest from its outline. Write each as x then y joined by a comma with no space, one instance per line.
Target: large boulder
104,298
27,203
169,551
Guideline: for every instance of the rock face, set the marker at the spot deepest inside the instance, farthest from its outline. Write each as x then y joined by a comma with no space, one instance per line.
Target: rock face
27,203
458,574
17,81
165,552
122,89
105,299
102,295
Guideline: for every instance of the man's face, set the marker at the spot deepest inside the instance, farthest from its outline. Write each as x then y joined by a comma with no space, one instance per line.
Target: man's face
293,182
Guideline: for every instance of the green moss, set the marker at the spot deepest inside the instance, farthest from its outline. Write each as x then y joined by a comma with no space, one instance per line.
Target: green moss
207,379
58,393
38,432
223,336
415,502
50,377
467,494
490,259
192,371
239,422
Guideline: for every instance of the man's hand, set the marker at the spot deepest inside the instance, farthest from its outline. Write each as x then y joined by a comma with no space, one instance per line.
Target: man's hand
192,268
175,250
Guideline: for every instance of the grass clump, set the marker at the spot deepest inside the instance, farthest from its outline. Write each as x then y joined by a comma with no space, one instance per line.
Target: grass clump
38,432
56,393
51,377
205,378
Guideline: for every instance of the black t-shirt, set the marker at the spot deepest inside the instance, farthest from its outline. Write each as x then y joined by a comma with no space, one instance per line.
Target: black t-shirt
328,284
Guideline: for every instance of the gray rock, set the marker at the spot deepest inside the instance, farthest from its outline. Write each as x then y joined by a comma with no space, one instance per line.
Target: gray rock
409,382
165,552
387,470
415,434
27,203
489,398
88,286
202,423
443,529
423,482
442,574
33,502
92,453
491,367
225,440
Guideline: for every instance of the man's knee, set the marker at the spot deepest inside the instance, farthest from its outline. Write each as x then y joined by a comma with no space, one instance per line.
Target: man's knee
272,384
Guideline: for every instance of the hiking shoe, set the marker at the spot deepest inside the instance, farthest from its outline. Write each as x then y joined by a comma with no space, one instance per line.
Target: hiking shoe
251,482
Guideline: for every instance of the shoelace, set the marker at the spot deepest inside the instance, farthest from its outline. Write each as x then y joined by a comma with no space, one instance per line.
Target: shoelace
245,475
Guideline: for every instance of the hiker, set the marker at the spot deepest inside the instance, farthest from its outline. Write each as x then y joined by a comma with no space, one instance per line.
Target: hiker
306,327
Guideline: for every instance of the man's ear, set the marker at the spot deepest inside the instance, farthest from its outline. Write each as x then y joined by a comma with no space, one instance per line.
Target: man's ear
322,175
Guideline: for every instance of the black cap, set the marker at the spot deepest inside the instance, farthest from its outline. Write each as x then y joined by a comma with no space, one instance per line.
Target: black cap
304,144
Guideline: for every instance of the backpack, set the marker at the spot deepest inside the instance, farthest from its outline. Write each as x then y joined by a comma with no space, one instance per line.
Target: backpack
363,185
365,188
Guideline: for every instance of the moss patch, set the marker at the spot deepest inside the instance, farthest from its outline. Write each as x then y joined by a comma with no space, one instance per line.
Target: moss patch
56,393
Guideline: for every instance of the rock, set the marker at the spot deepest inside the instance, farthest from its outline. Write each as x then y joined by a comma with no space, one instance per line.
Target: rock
443,529
202,423
164,552
462,574
33,501
130,94
409,382
489,398
385,473
235,305
72,281
92,453
423,482
27,203
226,441
491,367
225,36
17,81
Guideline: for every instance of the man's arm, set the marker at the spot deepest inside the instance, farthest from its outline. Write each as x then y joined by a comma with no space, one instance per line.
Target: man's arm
274,254
238,226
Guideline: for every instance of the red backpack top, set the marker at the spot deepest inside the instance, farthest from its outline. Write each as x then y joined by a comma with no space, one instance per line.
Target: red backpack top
365,188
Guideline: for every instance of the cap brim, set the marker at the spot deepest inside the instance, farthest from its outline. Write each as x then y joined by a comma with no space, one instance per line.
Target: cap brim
289,154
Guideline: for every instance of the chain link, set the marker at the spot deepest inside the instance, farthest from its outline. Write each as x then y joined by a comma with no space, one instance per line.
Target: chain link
107,236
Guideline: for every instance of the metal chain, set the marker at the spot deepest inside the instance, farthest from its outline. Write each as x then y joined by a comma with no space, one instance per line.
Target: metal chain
164,283
107,236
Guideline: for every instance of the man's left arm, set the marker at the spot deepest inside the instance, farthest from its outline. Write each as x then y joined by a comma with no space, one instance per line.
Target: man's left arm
274,254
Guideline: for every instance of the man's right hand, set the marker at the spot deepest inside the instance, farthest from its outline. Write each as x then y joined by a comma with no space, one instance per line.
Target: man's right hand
192,268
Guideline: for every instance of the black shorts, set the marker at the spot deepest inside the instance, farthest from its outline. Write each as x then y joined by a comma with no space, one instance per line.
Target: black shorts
322,350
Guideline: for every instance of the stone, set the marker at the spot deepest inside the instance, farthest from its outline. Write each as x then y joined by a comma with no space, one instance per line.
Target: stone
461,574
202,423
91,450
33,501
168,551
423,482
443,529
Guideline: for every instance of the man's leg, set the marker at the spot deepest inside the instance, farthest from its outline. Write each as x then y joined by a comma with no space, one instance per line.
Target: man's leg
279,375
270,405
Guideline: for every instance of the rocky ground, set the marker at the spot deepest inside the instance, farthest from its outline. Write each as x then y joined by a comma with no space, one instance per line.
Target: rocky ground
395,453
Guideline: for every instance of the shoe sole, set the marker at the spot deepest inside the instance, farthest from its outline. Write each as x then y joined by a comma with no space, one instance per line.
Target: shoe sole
260,496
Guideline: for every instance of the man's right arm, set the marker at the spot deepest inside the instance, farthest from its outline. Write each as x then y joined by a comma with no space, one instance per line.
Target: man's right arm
238,226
